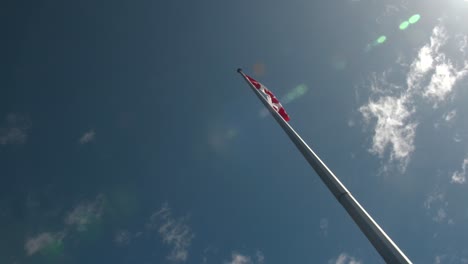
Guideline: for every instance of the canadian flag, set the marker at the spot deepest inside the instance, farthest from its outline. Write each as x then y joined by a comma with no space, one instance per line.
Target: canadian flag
275,104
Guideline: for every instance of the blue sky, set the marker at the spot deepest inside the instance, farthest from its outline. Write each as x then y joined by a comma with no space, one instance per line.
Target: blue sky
126,135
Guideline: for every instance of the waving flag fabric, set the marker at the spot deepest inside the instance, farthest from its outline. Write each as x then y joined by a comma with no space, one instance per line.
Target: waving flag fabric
275,104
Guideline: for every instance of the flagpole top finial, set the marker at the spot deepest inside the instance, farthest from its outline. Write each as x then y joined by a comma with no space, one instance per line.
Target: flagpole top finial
239,70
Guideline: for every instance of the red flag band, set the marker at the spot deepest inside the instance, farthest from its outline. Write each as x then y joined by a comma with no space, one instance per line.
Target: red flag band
274,103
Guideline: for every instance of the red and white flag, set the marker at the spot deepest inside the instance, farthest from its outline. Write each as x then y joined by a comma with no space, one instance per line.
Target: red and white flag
274,103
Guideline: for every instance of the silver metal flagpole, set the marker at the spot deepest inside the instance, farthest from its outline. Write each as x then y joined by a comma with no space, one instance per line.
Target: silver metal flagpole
378,238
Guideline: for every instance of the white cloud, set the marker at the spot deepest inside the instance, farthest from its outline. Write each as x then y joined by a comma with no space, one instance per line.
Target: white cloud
87,137
174,232
14,131
443,81
420,66
438,38
459,177
86,213
42,241
427,56
435,197
440,216
436,205
450,115
423,63
431,76
445,74
239,259
393,128
344,258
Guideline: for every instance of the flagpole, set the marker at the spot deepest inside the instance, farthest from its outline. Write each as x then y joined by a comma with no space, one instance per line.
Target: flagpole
378,238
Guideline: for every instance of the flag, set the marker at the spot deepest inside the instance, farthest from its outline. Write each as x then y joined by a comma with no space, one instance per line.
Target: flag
274,103
374,233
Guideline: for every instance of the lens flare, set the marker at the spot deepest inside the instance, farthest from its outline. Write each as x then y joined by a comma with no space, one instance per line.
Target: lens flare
295,93
54,251
55,248
259,69
381,39
338,62
231,133
414,19
404,25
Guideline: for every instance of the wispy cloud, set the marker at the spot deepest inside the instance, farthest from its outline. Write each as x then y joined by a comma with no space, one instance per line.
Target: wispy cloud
419,67
450,115
87,137
42,241
443,81
431,76
79,218
123,238
86,213
438,259
238,258
174,232
344,258
459,177
450,258
445,74
440,216
208,253
324,226
14,130
436,205
433,63
393,129
436,196
260,257
463,43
